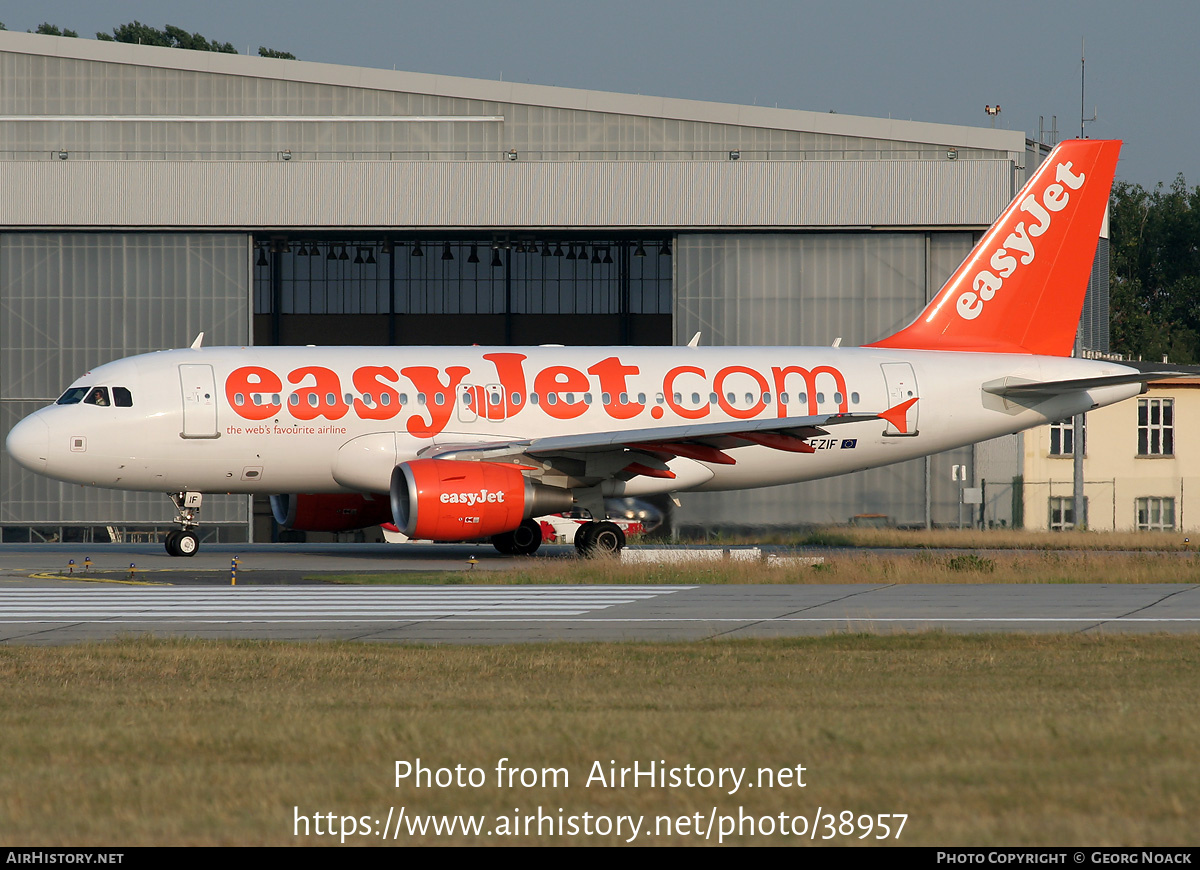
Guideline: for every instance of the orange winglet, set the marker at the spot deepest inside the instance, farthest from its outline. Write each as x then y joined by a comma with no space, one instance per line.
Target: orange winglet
898,416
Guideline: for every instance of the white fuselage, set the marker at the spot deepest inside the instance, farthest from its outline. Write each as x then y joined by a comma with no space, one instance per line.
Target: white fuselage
287,420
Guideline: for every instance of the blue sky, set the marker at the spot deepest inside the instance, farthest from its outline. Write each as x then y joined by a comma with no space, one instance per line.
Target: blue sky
928,60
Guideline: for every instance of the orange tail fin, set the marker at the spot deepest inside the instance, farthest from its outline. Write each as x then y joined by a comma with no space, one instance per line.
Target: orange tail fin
1021,289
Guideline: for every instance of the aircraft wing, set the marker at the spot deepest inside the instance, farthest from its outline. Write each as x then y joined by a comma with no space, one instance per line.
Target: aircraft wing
705,442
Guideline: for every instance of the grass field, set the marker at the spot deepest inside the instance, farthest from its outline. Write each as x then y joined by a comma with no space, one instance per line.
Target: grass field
980,740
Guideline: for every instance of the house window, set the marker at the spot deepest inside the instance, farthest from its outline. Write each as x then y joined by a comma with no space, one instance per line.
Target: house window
1155,513
1156,427
1062,513
1062,438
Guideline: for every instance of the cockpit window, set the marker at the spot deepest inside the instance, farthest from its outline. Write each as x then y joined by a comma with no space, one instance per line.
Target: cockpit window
98,396
121,397
72,396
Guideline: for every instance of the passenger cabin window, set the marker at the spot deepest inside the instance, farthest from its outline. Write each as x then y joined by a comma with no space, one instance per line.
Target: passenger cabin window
72,396
122,397
98,396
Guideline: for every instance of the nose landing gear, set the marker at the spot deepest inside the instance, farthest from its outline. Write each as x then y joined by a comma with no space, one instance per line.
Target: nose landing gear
184,541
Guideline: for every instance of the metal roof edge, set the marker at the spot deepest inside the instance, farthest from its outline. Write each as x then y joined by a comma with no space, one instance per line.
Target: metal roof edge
512,92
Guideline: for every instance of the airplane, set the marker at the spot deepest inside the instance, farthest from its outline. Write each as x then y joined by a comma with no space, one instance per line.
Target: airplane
473,443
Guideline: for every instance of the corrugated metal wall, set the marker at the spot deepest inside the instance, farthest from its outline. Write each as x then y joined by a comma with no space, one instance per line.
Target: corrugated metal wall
1094,326
243,108
69,302
733,194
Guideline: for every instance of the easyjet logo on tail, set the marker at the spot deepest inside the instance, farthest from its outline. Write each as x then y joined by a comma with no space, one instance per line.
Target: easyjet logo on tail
1020,247
1021,288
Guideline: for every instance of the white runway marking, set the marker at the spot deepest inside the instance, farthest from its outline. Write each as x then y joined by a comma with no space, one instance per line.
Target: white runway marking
311,604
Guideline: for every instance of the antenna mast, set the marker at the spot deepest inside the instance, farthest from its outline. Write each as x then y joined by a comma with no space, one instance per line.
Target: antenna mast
1083,86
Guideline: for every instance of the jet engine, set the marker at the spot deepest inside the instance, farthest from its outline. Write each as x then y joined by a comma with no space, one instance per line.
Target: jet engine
330,512
451,500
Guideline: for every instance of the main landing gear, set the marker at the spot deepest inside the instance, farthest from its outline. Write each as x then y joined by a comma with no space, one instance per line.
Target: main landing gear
184,541
599,539
591,539
524,540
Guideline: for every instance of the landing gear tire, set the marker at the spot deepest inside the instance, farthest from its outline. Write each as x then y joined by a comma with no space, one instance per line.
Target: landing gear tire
187,543
599,539
524,540
583,539
172,543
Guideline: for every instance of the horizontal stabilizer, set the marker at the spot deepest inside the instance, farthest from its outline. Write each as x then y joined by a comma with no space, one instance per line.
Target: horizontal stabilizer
1012,387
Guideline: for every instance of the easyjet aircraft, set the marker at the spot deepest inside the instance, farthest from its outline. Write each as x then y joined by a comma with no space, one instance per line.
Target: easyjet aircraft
469,443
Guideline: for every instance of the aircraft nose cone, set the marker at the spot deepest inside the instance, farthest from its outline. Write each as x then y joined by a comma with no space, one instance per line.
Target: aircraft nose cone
29,443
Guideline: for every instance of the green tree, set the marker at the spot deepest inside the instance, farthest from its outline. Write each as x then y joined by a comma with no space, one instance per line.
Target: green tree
1155,271
171,37
52,30
263,51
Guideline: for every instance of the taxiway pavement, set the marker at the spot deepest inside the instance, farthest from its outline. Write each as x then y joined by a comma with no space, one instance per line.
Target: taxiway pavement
273,601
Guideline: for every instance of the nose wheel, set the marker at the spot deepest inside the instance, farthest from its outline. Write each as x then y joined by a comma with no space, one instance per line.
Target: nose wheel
184,541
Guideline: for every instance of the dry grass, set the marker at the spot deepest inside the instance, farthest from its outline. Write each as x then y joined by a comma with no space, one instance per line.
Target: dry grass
981,740
859,566
974,539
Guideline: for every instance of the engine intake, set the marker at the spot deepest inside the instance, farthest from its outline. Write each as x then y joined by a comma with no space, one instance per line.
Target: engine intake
452,500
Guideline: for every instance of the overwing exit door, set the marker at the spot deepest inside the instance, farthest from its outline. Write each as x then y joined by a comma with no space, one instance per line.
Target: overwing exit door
475,401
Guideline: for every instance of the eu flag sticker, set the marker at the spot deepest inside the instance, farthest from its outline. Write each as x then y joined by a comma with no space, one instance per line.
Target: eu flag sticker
849,443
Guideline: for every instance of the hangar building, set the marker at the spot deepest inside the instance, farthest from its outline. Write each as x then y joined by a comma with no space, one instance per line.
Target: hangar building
150,194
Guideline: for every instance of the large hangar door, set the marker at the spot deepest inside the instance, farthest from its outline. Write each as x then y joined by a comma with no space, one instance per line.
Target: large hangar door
486,291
